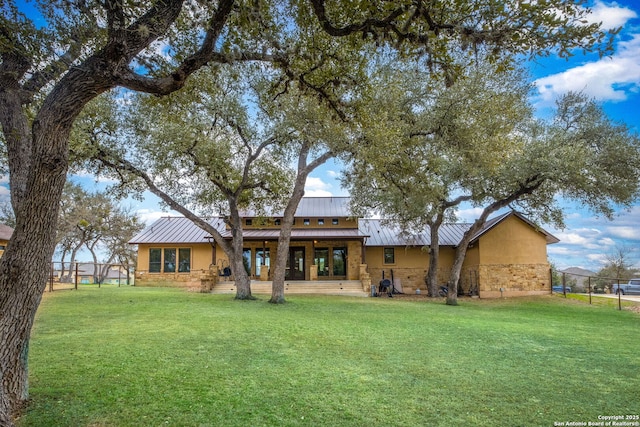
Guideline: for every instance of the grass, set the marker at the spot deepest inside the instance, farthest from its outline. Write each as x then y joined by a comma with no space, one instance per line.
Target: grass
150,357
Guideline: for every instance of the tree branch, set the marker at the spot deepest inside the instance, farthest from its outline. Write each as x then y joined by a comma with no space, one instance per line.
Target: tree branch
115,162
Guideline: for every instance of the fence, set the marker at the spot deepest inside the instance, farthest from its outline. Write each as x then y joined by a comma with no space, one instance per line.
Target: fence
70,275
575,282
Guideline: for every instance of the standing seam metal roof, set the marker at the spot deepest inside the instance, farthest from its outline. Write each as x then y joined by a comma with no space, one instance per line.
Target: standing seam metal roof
180,230
176,230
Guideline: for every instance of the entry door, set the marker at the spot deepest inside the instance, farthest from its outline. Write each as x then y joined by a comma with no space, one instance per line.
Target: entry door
295,264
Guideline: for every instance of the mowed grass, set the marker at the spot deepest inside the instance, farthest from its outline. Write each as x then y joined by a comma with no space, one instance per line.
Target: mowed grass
157,357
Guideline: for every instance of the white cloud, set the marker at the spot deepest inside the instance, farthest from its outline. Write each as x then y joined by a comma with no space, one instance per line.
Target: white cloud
469,215
148,216
625,232
608,79
333,174
584,236
611,16
607,241
4,191
316,187
86,174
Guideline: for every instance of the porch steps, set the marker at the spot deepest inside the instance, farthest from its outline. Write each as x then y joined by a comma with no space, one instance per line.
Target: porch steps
337,287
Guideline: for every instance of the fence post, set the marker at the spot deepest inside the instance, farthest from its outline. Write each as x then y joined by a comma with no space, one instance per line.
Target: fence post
51,278
75,279
589,290
564,284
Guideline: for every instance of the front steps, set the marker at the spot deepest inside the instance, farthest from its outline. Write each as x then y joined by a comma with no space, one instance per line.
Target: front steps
333,287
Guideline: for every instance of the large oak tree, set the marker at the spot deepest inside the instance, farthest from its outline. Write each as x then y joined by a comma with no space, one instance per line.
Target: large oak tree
53,64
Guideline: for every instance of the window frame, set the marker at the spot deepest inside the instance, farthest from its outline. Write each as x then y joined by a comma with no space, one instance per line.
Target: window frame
385,256
158,262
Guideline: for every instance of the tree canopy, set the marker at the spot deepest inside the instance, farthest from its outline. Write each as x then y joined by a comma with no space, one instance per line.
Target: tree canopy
55,63
477,141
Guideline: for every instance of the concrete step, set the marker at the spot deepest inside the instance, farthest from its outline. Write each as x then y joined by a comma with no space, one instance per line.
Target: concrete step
346,287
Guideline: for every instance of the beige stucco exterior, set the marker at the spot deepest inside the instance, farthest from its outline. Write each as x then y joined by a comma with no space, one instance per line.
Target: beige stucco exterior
410,267
509,258
201,260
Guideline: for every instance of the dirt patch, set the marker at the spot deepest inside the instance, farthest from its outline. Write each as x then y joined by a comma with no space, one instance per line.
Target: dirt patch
634,308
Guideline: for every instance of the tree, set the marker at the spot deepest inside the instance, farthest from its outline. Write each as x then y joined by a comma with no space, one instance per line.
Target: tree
7,217
581,155
49,73
618,267
479,142
447,138
234,142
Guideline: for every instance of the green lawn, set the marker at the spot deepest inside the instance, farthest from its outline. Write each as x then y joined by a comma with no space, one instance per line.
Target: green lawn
150,357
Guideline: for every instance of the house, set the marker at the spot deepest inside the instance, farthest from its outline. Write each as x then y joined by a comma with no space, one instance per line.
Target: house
5,236
90,273
508,257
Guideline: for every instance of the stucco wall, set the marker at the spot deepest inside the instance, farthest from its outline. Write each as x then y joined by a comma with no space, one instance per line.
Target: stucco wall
513,242
511,256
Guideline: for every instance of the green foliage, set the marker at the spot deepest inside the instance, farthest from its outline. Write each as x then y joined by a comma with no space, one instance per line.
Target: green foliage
97,222
430,142
148,356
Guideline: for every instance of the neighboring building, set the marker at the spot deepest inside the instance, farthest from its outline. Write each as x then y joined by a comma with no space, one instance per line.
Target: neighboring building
107,274
329,244
5,236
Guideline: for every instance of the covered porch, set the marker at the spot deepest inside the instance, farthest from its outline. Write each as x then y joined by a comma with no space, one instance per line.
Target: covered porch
315,255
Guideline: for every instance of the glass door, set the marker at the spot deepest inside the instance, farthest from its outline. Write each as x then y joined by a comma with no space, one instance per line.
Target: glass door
295,264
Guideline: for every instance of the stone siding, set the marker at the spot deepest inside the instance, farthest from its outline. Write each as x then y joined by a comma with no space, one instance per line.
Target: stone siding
513,279
410,278
176,280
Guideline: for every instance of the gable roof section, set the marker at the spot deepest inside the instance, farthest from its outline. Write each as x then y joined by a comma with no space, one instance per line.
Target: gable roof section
176,230
381,234
497,220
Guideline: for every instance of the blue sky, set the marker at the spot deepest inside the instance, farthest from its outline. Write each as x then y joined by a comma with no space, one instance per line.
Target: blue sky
614,81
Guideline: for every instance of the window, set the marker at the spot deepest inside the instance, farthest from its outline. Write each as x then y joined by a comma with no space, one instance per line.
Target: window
389,256
248,222
169,260
320,221
277,221
339,261
184,256
334,221
306,221
263,259
155,260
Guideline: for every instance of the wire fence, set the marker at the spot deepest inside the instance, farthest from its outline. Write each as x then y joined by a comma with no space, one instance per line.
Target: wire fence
576,283
65,275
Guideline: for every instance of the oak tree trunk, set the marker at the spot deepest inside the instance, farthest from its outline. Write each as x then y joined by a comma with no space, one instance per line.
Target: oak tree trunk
434,259
26,263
